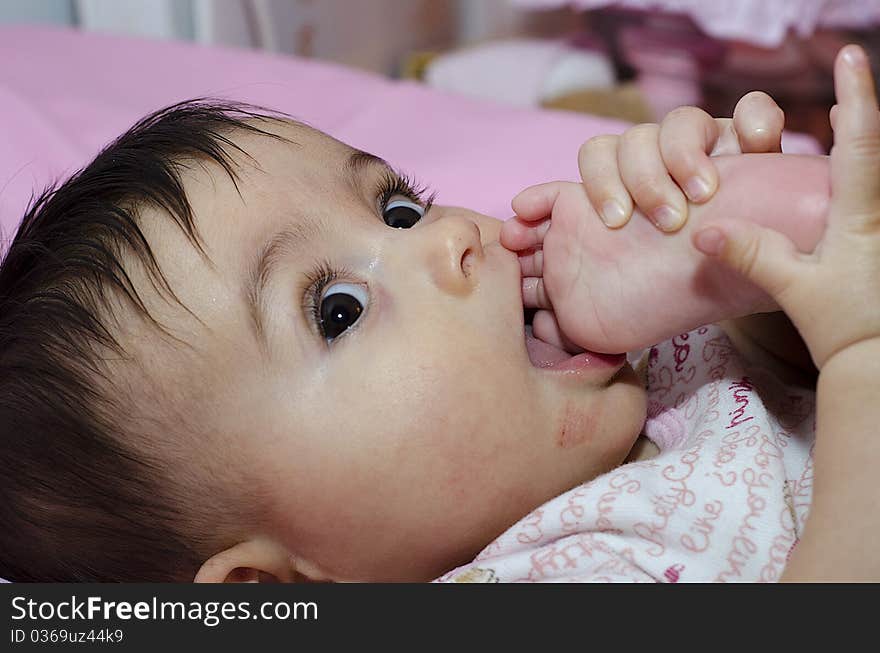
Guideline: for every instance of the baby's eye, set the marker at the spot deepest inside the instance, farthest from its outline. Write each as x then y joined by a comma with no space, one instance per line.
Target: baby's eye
402,213
341,306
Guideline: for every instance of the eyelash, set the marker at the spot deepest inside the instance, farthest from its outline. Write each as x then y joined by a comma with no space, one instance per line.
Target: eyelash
325,273
395,183
321,276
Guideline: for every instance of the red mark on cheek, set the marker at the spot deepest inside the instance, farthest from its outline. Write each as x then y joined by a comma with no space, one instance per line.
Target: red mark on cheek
578,426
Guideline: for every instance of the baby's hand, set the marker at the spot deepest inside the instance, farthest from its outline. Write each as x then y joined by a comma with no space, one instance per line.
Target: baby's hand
650,165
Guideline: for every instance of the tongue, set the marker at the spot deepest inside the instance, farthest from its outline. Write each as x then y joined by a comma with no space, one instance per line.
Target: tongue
543,354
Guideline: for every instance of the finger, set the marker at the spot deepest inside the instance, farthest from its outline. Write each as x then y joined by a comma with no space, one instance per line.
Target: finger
832,116
855,157
758,122
765,257
531,263
687,135
597,161
533,293
536,202
546,328
645,177
518,235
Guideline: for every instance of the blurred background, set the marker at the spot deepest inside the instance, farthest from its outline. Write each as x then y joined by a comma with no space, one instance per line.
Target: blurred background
628,59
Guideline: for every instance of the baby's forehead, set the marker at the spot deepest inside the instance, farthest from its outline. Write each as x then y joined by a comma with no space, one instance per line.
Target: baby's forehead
292,139
284,163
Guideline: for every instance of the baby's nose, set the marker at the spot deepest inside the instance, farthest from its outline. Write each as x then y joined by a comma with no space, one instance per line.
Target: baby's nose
455,254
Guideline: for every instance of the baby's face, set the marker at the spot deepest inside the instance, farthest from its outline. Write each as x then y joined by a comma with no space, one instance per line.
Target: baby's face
403,435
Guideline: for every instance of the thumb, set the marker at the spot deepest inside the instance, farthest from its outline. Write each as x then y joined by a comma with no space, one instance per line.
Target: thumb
765,257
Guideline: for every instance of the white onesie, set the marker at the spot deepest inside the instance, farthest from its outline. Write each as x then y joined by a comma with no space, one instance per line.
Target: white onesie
725,500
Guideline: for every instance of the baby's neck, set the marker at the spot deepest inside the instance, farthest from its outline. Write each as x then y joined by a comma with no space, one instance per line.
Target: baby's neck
643,449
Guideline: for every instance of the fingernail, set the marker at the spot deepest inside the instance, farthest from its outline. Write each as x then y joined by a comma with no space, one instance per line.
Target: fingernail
666,217
613,214
697,189
853,55
710,241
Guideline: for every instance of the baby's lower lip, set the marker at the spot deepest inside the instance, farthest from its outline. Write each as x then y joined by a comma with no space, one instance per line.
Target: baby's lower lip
545,356
590,360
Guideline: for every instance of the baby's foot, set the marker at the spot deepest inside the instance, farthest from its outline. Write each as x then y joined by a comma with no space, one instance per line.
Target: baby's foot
609,290
618,290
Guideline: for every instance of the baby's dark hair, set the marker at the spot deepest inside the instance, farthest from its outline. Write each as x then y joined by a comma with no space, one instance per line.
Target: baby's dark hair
79,501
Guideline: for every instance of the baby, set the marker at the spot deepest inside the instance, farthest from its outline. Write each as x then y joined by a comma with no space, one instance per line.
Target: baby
234,348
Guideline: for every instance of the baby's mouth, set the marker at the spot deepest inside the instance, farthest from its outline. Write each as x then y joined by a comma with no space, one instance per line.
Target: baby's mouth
547,356
541,354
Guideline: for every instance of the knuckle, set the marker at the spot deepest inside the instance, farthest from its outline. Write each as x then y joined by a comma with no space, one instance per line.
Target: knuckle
785,290
679,157
644,188
645,131
749,256
683,113
864,146
597,153
601,142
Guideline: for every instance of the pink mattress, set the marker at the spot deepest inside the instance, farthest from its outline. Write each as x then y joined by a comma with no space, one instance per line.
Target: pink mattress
64,94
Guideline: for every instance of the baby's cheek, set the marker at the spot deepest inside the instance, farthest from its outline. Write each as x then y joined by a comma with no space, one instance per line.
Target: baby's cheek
452,438
579,423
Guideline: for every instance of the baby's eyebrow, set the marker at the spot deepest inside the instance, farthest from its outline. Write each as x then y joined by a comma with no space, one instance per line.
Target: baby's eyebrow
358,161
290,239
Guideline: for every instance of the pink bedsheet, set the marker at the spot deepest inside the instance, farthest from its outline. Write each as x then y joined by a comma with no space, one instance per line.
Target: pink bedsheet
64,94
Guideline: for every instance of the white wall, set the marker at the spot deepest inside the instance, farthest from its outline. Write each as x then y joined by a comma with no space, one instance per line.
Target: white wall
371,34
482,20
164,19
37,11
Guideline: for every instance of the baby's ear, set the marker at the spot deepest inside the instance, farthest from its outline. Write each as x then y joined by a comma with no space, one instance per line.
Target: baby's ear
253,561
